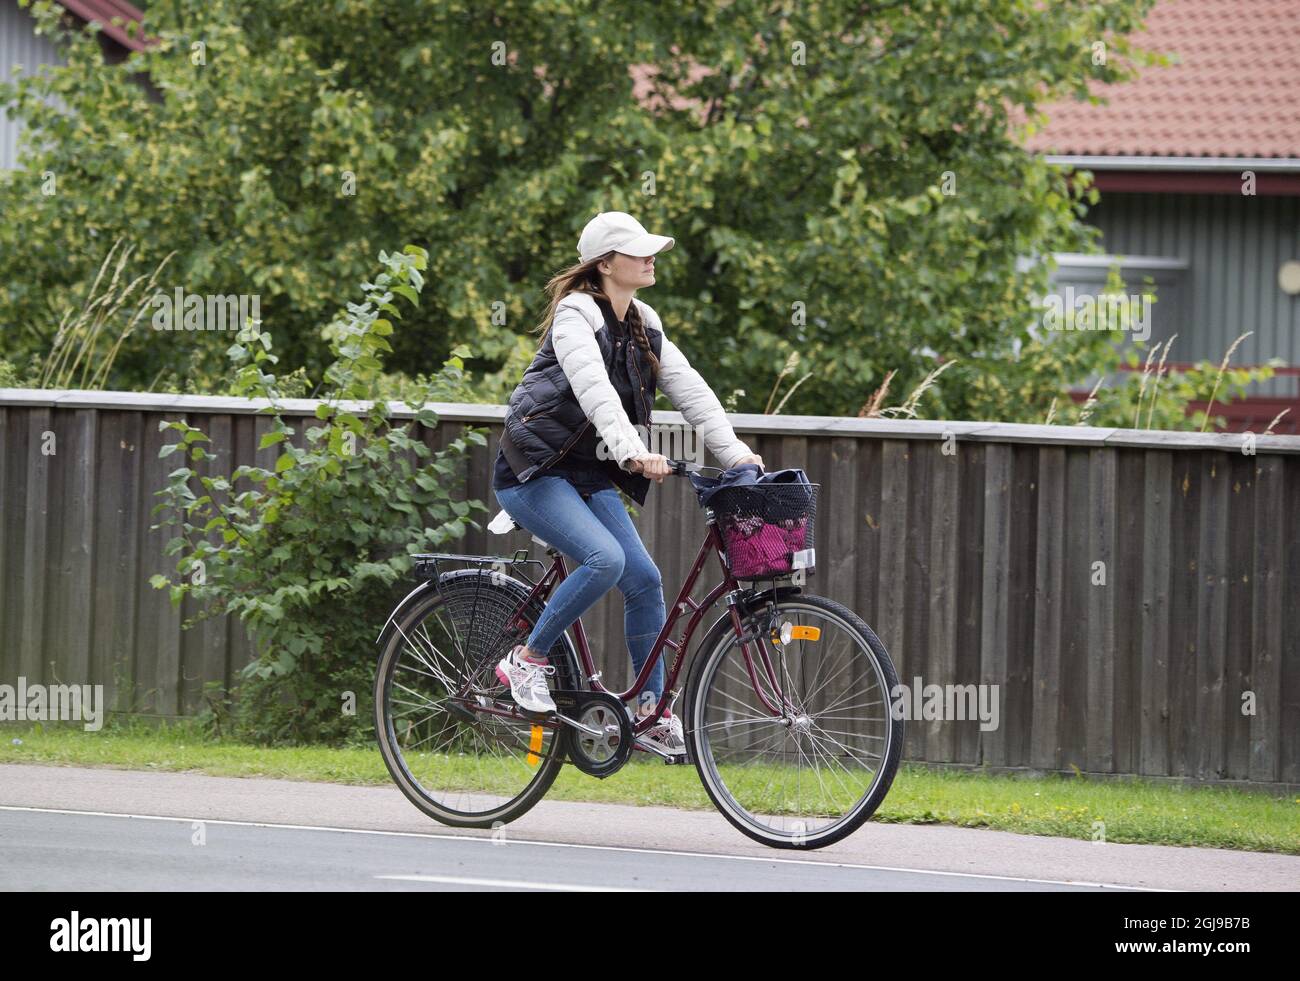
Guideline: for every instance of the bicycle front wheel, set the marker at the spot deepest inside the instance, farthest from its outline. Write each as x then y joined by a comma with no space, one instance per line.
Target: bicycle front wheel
795,743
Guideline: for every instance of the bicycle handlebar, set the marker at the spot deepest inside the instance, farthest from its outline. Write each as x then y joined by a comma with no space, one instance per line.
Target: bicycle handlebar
680,468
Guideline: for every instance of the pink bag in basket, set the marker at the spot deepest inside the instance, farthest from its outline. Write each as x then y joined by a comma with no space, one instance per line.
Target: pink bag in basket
761,553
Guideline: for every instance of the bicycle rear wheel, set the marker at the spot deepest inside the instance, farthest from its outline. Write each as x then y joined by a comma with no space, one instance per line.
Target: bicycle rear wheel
460,759
796,745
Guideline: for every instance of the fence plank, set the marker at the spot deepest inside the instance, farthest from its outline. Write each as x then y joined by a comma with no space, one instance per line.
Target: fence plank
1267,620
971,588
1237,644
211,657
1289,521
243,431
1045,725
1186,500
1130,489
1212,618
866,520
1103,482
945,553
71,600
1157,560
1075,647
157,665
1017,695
919,589
997,589
125,512
33,647
893,560
8,568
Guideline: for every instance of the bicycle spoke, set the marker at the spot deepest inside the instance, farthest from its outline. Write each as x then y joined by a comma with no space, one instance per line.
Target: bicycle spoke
752,720
833,762
453,752
820,753
816,765
847,752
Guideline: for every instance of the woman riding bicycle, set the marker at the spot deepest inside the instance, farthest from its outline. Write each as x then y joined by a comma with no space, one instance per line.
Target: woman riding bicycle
572,440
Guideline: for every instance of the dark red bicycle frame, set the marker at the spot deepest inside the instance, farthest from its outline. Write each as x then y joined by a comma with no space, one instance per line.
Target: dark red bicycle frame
557,573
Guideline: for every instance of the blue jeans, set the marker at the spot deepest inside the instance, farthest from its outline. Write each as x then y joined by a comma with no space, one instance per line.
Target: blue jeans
599,535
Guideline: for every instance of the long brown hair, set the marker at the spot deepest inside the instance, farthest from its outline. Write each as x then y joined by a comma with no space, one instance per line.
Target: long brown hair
584,277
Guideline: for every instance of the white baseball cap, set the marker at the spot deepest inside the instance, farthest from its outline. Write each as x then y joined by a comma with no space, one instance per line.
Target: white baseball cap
619,231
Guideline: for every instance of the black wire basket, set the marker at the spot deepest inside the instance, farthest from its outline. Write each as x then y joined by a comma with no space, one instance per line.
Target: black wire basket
767,529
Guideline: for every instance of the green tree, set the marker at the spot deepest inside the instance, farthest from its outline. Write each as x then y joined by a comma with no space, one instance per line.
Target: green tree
843,178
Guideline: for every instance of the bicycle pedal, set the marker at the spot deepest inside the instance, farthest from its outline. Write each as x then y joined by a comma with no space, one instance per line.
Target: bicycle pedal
647,745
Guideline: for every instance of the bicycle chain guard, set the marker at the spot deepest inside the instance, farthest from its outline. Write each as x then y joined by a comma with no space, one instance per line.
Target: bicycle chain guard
595,755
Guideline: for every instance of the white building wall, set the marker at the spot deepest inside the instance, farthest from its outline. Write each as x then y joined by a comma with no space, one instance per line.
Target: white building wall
19,45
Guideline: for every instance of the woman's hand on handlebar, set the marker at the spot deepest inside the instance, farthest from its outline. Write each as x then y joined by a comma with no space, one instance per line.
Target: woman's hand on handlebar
652,465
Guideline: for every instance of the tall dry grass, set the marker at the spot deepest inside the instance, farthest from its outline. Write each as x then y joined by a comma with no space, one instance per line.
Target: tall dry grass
88,340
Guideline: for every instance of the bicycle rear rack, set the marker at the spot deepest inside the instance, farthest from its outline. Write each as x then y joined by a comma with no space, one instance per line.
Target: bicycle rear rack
426,563
477,637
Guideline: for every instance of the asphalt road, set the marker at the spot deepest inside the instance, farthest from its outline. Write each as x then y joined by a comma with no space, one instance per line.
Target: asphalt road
40,850
65,828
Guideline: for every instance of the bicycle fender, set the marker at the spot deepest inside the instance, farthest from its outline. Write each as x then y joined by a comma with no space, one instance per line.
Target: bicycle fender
431,584
410,597
777,592
419,591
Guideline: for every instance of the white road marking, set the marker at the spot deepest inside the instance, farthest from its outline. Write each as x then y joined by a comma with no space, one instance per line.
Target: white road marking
567,844
508,883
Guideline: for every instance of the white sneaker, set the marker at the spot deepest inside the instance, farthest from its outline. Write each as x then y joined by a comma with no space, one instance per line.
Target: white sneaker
527,681
668,735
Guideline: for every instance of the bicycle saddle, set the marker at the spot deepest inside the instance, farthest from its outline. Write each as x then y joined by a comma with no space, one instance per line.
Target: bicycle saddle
503,524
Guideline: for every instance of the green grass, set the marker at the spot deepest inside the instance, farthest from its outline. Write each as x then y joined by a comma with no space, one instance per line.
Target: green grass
1132,810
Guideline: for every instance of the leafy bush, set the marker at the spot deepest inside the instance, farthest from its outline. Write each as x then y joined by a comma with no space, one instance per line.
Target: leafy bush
10,377
306,553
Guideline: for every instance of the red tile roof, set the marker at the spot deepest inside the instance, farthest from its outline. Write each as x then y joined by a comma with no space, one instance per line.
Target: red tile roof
1234,90
104,13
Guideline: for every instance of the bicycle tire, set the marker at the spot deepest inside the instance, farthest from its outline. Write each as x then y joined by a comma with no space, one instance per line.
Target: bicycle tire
705,668
498,592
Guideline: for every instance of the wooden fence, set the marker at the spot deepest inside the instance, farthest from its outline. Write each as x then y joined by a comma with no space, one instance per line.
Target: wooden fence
1135,596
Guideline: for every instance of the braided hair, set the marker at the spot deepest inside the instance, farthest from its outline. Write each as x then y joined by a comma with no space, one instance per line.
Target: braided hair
637,329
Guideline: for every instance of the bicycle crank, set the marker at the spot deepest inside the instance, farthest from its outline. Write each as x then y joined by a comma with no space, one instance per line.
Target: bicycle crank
597,730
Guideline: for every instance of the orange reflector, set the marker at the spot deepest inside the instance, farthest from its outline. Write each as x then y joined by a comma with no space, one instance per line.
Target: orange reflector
806,633
535,746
